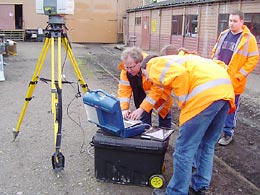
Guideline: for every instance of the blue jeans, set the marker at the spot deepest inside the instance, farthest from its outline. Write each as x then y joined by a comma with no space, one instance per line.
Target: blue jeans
163,122
197,136
231,119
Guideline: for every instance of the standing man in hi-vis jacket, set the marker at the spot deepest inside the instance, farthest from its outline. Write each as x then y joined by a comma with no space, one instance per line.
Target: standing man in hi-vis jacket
237,47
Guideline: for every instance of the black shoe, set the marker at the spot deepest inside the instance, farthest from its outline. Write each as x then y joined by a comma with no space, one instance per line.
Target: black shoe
158,192
202,191
194,170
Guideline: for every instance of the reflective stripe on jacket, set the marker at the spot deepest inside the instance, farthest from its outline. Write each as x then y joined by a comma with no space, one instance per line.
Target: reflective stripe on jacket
161,99
244,58
196,82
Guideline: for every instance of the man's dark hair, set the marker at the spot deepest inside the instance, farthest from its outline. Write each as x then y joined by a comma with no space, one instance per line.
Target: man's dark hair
146,60
239,13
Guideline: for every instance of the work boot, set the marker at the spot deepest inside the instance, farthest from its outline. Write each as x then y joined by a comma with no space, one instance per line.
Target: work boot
158,192
201,191
225,140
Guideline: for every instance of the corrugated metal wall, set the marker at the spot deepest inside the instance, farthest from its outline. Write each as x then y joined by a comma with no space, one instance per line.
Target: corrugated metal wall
208,29
165,30
155,30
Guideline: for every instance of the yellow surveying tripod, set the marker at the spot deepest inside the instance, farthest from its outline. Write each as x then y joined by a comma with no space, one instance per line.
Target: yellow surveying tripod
55,32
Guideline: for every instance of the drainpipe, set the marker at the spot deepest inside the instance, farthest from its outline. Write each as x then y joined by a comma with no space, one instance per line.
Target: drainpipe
199,20
183,26
126,28
160,20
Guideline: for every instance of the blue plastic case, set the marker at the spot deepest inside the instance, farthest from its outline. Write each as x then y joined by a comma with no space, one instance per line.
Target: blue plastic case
104,111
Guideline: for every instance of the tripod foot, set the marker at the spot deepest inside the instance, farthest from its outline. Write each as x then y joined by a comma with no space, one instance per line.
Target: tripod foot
58,162
15,134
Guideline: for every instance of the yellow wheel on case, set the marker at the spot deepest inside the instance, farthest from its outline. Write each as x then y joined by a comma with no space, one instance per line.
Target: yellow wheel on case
156,181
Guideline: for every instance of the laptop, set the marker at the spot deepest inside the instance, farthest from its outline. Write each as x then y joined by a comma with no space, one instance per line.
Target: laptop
130,123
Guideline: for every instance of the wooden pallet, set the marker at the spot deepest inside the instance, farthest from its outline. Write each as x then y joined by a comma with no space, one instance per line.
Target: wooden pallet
15,35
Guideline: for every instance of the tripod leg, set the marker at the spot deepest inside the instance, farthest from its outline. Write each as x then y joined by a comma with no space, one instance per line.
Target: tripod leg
53,84
58,159
53,88
75,65
32,85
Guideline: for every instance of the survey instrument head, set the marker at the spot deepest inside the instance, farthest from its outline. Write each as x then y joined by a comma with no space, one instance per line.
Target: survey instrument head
55,7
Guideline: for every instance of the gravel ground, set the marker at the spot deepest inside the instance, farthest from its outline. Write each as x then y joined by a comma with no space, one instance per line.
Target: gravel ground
26,163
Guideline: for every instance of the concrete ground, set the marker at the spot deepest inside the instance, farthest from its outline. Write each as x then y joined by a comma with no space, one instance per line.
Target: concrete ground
25,165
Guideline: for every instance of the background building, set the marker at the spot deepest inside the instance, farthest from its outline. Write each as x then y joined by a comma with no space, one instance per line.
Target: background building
93,21
150,24
193,24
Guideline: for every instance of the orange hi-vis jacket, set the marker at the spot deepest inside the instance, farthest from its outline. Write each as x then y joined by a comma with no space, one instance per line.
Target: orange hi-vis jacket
244,58
196,82
160,99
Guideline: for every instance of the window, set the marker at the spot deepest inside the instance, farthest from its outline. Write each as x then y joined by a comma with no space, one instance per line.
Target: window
177,25
138,21
222,22
191,26
252,21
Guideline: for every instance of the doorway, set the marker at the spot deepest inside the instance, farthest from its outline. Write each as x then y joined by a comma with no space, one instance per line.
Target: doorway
145,33
18,16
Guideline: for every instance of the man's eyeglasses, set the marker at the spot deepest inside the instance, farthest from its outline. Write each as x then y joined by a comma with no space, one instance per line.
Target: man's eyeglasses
130,67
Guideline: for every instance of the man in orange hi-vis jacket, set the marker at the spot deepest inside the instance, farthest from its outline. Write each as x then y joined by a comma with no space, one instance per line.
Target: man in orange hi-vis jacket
204,95
134,83
237,47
